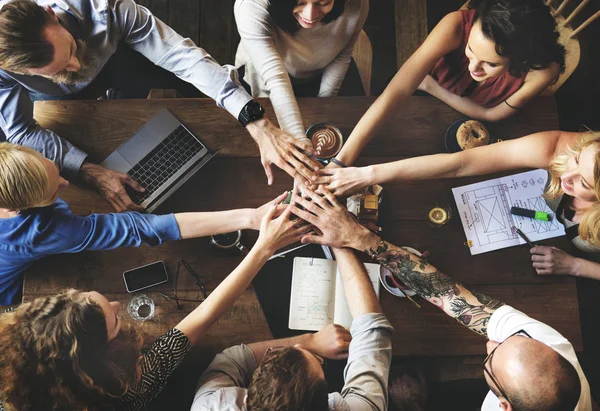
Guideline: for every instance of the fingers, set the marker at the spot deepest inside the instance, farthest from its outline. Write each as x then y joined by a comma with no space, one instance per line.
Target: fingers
132,183
305,215
271,212
538,258
538,249
312,239
329,196
268,172
304,144
322,176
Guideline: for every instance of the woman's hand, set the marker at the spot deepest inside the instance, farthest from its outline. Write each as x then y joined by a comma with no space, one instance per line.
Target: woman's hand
260,212
552,261
343,182
281,231
331,341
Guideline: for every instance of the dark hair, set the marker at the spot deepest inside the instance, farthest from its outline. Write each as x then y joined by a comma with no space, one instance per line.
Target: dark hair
283,382
22,42
523,30
281,11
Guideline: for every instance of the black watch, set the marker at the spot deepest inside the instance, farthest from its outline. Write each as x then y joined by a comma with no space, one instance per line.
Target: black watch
252,111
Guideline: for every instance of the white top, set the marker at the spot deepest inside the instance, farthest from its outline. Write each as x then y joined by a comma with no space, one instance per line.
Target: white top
271,55
506,321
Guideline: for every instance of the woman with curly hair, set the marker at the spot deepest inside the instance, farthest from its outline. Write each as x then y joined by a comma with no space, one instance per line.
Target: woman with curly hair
487,62
71,351
298,48
572,191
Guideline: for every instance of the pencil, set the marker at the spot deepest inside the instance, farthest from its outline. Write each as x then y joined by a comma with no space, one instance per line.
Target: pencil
524,237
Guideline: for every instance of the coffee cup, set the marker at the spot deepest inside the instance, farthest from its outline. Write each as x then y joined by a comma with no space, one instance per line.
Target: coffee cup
326,138
229,241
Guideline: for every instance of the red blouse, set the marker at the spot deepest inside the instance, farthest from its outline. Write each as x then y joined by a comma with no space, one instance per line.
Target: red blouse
452,73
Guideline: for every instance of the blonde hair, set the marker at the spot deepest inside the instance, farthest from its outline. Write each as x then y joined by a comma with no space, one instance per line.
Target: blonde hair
23,178
589,227
56,356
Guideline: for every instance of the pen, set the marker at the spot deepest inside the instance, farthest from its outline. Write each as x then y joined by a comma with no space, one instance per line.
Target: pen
524,237
538,215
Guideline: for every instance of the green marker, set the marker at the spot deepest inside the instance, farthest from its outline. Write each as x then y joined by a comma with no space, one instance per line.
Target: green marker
537,215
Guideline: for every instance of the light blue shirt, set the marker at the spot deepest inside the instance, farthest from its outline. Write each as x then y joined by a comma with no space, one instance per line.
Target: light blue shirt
103,24
39,232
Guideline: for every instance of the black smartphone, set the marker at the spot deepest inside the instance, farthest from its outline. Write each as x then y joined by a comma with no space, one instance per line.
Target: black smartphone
145,276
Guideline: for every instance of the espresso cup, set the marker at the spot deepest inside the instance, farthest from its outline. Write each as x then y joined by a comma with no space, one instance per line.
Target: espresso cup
326,138
229,241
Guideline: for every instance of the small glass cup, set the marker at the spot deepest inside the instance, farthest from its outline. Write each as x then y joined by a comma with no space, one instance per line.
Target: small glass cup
141,307
439,214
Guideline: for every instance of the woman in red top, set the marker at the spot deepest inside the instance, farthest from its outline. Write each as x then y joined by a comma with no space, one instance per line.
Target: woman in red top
486,62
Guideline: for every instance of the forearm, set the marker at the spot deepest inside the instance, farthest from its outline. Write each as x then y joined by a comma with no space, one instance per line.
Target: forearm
222,298
470,309
259,348
202,224
357,286
586,268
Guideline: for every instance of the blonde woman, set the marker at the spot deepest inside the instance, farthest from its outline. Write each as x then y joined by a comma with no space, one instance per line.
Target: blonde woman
573,191
71,351
35,222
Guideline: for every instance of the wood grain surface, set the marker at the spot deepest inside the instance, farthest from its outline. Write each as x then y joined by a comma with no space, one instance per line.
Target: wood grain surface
235,179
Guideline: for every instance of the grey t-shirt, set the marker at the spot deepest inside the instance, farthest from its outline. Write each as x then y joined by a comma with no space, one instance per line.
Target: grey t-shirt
223,385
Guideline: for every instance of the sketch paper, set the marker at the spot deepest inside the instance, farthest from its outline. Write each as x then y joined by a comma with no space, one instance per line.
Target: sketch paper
317,296
484,210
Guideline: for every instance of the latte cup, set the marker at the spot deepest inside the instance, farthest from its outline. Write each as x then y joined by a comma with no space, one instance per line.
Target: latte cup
326,138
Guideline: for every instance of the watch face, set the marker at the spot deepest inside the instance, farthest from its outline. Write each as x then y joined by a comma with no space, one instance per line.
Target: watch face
255,110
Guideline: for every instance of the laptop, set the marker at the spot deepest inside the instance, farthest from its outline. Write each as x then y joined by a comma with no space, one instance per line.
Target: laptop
161,156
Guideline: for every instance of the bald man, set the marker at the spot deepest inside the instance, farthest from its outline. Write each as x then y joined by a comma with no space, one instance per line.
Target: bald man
529,367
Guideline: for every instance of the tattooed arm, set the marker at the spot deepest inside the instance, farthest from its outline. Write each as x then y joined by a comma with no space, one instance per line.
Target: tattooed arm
340,229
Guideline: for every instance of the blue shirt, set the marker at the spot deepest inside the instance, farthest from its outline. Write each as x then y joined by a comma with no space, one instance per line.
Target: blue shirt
40,232
103,24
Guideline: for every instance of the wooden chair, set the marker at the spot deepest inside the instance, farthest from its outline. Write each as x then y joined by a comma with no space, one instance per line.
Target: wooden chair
568,38
363,57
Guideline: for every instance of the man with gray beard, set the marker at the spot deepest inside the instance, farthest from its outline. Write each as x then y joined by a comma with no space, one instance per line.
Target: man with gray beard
58,47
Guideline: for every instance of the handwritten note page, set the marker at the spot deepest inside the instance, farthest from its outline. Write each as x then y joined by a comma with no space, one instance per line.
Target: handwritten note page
313,293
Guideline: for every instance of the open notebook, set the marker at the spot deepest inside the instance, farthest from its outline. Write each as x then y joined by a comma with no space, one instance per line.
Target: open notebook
317,296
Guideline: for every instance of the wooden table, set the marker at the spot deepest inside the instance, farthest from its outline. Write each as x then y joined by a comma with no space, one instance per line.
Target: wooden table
236,179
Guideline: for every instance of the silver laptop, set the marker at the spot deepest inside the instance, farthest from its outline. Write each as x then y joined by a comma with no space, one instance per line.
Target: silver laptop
161,156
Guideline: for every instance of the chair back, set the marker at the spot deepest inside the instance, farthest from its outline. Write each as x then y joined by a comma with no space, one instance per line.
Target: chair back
363,57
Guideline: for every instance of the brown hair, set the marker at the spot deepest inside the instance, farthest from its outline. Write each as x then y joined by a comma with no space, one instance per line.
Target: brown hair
22,42
589,227
56,355
23,177
283,382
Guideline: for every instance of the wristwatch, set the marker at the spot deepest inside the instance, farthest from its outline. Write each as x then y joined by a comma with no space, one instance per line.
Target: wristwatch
252,111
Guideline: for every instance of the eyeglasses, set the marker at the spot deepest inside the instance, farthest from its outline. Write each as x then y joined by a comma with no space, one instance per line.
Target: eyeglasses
489,359
196,280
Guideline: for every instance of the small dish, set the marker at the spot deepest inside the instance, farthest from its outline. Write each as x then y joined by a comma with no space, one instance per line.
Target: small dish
384,275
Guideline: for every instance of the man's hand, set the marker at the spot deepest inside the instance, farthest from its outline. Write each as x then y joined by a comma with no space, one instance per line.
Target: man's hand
552,261
286,152
331,341
111,184
339,228
342,182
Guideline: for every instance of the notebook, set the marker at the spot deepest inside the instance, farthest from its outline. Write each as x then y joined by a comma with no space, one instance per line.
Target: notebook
317,295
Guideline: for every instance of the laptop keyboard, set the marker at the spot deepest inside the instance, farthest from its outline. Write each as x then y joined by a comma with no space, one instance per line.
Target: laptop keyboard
160,164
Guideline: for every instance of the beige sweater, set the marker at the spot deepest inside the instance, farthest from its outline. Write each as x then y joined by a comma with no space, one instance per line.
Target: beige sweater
272,56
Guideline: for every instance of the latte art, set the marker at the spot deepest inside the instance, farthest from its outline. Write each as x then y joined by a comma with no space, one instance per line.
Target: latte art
326,140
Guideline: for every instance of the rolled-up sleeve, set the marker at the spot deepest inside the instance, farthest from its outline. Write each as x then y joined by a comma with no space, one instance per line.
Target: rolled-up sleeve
158,42
370,355
19,127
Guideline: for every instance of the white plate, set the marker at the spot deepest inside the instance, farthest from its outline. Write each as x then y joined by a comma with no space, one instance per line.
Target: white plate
383,272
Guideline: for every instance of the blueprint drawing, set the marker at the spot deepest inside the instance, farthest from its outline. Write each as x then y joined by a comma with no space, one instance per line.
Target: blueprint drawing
484,210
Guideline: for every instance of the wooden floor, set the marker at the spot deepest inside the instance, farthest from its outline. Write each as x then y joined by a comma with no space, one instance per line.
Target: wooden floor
396,28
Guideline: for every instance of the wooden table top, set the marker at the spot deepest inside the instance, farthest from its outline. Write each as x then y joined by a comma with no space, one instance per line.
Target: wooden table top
235,179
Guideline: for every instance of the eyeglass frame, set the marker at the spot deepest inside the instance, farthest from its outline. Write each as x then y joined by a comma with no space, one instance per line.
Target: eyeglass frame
196,280
488,358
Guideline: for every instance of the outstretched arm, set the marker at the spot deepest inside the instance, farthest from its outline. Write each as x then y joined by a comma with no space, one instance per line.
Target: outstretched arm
339,228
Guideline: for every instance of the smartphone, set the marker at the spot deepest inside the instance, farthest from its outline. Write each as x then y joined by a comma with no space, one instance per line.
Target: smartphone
145,276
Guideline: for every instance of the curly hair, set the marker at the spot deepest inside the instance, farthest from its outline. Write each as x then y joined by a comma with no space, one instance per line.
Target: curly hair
523,30
56,356
22,42
589,227
281,11
283,382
